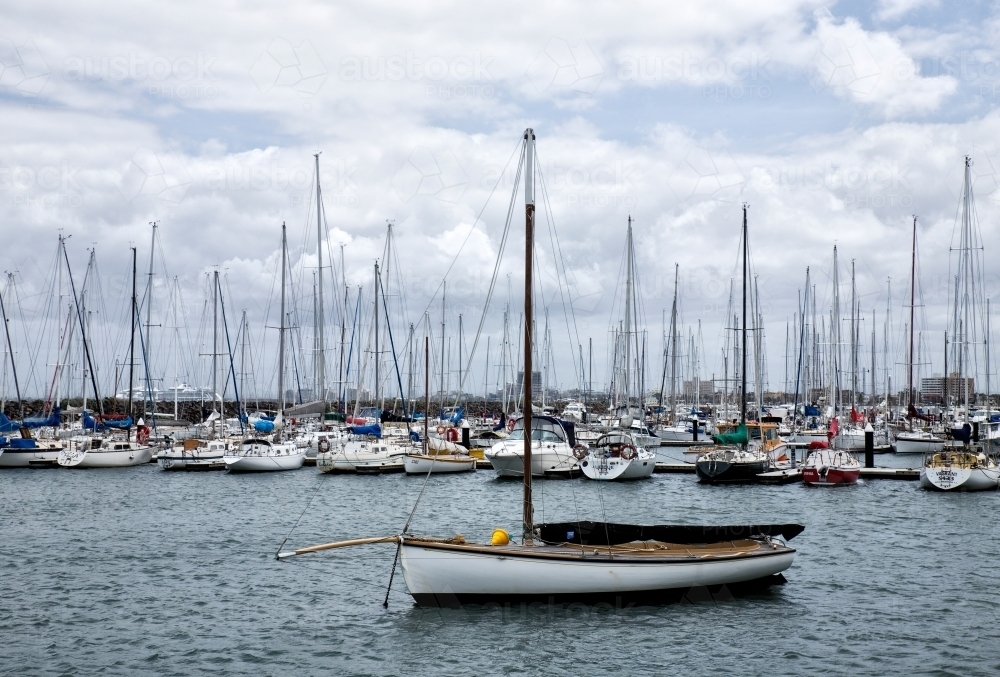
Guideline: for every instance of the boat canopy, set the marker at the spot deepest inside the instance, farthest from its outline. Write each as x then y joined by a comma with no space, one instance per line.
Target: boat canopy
6,425
608,533
546,429
373,430
738,436
90,423
52,421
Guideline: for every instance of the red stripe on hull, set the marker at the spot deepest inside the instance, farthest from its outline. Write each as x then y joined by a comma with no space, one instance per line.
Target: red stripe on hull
834,476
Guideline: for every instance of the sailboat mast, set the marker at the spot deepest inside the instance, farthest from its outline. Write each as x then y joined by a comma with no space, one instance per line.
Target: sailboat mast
149,293
320,353
215,341
281,325
377,356
673,347
743,339
529,241
628,313
913,285
444,285
10,349
131,344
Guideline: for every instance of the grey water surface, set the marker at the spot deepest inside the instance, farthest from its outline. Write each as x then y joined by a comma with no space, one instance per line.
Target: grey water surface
138,571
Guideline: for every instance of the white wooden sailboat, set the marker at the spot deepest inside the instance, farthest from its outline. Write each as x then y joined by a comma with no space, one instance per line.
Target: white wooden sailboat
577,560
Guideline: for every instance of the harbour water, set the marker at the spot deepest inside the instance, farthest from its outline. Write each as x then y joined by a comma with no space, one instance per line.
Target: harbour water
143,572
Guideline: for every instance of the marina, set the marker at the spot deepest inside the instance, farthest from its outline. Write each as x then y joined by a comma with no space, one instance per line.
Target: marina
499,339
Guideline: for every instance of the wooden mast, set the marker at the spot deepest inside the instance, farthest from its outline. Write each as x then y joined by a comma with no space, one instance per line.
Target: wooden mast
529,236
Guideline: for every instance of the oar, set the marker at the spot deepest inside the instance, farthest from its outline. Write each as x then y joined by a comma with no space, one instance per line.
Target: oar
339,544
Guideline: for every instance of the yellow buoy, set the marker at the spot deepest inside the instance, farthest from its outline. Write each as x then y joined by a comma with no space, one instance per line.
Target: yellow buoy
500,537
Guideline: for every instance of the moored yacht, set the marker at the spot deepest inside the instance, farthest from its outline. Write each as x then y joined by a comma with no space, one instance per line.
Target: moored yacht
262,455
552,444
98,452
616,456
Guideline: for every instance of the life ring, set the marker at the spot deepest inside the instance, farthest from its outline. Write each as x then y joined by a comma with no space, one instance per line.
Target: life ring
323,445
629,452
440,430
580,451
452,435
510,425
142,434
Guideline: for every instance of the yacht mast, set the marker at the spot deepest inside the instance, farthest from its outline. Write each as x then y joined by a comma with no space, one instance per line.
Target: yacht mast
913,284
281,325
628,315
529,237
131,344
320,342
743,338
215,343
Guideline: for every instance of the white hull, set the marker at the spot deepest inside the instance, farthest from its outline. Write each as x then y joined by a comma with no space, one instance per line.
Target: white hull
171,460
419,464
918,445
451,574
600,468
266,462
960,479
22,458
363,456
507,458
106,458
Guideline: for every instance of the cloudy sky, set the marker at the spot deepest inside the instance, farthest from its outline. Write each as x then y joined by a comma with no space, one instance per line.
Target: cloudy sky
835,121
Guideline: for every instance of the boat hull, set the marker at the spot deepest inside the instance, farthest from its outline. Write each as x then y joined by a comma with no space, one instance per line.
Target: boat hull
446,577
420,464
265,463
25,458
168,460
508,461
106,458
604,469
907,445
713,471
831,478
959,479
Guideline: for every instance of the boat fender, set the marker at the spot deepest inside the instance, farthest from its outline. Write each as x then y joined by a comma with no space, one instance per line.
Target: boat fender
323,445
822,471
500,537
510,425
580,451
628,453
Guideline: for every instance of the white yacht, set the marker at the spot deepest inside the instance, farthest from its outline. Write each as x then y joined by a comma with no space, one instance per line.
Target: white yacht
263,455
196,454
616,456
98,452
361,454
551,449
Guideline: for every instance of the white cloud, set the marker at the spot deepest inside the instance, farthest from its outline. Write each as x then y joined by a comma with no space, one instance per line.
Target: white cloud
871,67
895,9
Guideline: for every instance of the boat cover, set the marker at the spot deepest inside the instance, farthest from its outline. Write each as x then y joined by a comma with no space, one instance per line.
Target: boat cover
373,430
738,436
40,422
6,425
609,533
